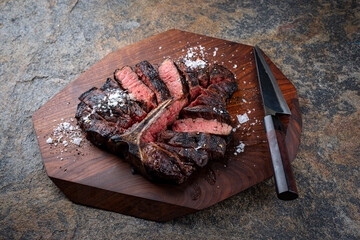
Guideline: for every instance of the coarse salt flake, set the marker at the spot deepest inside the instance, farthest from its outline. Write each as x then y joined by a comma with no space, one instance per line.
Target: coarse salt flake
240,148
77,141
194,64
242,118
49,140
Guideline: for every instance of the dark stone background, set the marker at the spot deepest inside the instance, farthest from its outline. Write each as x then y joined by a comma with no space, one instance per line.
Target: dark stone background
44,45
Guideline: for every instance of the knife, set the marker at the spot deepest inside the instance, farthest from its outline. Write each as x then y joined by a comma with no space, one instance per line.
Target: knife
274,104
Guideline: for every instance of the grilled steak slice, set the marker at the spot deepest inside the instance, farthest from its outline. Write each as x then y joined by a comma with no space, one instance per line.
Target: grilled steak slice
98,100
197,156
138,90
191,77
107,106
214,95
174,81
201,125
162,164
149,75
205,99
97,130
219,73
224,89
203,77
207,112
119,98
167,117
136,112
214,145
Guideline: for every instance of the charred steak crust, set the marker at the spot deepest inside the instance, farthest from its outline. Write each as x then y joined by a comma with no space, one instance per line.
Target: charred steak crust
207,112
131,115
150,76
191,77
218,73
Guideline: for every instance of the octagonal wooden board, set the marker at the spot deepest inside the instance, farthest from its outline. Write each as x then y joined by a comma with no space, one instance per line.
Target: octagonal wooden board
93,177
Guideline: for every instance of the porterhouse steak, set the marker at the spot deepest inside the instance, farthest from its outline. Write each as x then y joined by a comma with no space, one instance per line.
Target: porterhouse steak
167,121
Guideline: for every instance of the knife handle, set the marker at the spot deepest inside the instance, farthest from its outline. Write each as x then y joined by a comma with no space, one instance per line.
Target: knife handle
284,177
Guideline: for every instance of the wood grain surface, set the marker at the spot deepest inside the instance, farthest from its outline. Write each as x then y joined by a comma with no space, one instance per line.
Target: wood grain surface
93,177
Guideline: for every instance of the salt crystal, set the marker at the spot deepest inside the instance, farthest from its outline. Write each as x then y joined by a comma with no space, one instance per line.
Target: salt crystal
194,64
235,66
242,118
240,148
77,141
49,140
65,125
160,48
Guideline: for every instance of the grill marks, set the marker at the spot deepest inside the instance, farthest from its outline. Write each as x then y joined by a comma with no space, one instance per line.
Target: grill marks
135,112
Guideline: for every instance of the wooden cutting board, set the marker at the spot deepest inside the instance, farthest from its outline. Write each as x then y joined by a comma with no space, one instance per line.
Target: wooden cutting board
92,177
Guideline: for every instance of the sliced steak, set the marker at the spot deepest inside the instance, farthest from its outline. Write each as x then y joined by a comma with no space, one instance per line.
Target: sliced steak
197,156
203,77
107,106
128,79
174,81
167,117
119,98
206,112
96,129
205,99
217,97
162,164
224,89
219,73
149,75
191,77
98,100
212,144
201,125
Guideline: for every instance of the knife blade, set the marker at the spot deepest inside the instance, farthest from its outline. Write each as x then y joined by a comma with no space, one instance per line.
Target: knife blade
275,104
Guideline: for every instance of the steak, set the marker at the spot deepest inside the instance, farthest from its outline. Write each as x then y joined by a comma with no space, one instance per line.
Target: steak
162,164
207,112
207,100
201,125
218,73
176,84
96,129
214,145
145,117
224,89
128,79
203,77
148,74
191,77
196,156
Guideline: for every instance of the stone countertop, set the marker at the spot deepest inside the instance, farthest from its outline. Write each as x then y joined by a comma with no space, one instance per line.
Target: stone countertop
47,44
